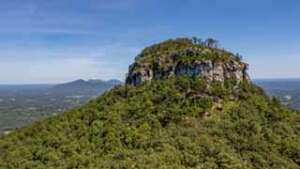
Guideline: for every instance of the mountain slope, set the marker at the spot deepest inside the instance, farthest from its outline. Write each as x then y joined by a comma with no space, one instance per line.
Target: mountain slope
181,121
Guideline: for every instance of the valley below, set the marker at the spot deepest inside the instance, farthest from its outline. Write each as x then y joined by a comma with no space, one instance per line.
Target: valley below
286,90
23,104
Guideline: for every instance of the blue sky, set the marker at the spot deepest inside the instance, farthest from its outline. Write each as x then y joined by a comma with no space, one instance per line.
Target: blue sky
61,40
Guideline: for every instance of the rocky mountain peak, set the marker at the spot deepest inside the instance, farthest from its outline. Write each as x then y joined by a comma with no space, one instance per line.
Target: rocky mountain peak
187,57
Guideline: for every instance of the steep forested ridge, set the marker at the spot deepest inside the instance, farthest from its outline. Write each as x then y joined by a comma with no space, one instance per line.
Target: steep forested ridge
168,122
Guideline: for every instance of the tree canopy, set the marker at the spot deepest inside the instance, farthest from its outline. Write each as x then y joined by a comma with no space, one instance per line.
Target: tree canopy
179,122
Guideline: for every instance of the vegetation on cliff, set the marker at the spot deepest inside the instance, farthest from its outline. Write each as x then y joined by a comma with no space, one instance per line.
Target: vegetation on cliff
182,48
184,56
177,122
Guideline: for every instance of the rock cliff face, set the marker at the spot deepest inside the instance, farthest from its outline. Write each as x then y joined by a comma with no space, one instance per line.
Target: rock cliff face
214,71
211,71
198,65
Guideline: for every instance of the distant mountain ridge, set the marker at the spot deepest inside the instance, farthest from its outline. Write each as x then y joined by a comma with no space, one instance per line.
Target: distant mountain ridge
82,86
90,82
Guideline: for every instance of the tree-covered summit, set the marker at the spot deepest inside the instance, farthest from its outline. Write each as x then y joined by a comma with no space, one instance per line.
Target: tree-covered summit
204,49
190,57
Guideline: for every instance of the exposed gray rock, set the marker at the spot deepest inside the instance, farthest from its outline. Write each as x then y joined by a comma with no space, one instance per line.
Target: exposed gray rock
198,68
211,71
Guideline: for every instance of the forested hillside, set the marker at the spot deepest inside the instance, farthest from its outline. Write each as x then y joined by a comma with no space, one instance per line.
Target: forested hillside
199,110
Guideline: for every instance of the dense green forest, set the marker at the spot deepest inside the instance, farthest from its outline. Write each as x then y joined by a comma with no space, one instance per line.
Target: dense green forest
176,122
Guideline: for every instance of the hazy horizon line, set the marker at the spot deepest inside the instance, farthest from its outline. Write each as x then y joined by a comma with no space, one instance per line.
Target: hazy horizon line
53,83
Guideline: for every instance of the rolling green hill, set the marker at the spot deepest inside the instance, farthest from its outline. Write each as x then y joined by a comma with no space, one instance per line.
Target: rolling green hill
202,113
